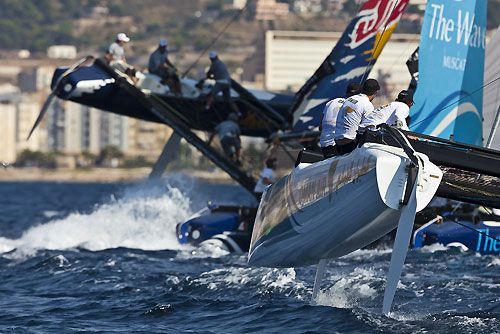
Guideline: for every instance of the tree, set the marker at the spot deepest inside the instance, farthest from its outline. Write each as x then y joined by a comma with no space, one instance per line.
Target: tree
109,154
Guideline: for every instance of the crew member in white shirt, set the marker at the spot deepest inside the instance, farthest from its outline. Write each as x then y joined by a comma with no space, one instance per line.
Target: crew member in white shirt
327,124
393,114
266,177
353,112
116,53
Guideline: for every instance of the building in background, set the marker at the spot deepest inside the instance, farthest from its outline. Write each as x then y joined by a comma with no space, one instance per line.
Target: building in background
307,6
239,4
61,52
35,79
27,113
7,132
333,5
291,57
269,10
420,3
17,116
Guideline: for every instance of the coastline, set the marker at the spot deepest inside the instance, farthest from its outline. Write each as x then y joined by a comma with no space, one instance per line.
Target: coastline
98,175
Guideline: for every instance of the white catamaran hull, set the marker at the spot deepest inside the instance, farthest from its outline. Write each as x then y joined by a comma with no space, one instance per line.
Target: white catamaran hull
333,207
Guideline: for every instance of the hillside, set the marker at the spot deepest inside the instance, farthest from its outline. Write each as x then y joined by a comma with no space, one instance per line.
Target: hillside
92,24
190,26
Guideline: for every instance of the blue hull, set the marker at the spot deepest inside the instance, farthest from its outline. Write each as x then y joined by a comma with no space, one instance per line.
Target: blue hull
451,234
235,222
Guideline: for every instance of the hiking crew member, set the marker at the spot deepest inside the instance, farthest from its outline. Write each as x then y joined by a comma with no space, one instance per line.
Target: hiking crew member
160,65
229,136
393,114
266,178
218,71
117,56
327,124
353,112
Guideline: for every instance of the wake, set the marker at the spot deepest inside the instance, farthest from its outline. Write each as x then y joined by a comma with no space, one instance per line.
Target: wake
143,218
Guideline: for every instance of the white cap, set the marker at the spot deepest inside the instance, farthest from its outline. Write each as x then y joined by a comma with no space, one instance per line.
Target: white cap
122,37
212,55
162,42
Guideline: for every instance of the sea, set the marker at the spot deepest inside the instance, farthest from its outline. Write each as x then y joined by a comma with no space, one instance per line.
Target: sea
104,258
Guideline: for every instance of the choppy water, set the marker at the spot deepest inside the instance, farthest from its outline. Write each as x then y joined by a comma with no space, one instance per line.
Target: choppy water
104,258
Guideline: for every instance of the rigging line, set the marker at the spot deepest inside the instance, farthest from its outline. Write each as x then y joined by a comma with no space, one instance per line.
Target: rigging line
238,13
471,228
380,39
449,105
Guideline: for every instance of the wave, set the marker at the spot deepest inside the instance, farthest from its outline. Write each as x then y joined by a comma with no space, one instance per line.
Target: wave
144,217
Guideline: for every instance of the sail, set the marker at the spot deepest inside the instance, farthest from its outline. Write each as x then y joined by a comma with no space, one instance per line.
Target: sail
449,99
491,94
350,60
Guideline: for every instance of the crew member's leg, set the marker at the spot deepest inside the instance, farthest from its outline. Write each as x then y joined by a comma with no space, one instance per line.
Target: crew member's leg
346,148
227,145
237,148
329,151
226,92
177,84
125,68
216,88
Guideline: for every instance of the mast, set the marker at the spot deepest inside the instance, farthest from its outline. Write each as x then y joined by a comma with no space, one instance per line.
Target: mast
493,128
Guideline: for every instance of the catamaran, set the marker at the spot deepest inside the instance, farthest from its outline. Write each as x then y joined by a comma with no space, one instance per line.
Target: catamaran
327,209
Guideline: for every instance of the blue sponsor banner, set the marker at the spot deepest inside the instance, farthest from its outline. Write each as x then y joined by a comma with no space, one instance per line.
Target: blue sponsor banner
449,98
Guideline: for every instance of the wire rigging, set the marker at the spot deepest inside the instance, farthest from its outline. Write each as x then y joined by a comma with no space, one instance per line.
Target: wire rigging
238,13
471,228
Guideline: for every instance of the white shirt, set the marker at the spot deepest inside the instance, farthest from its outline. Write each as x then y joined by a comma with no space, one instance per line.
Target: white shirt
393,114
329,121
267,173
352,113
117,51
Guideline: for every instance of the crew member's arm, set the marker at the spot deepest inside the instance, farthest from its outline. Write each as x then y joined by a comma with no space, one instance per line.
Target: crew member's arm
216,130
266,181
170,64
210,72
267,177
401,124
401,119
